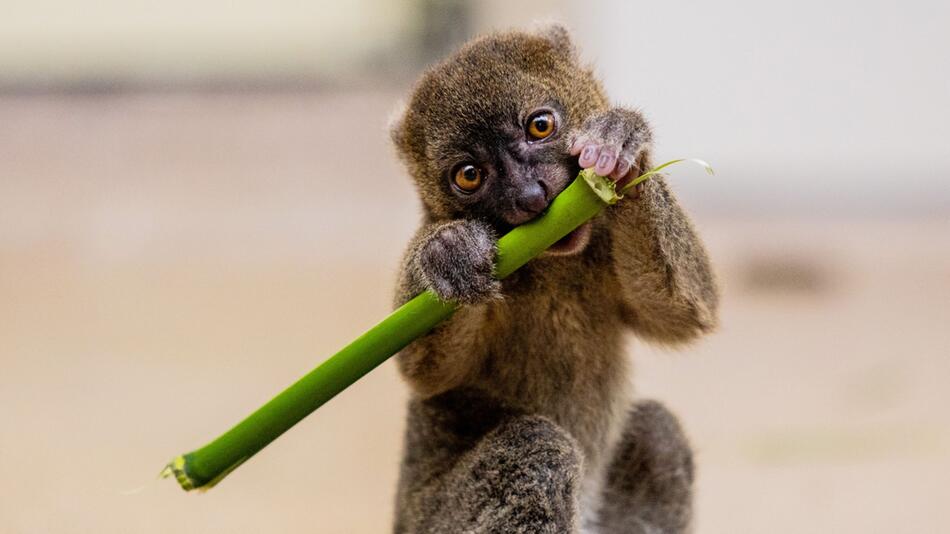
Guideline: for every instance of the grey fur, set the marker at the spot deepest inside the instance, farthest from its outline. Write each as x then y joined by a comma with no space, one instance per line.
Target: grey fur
520,419
456,260
473,465
648,487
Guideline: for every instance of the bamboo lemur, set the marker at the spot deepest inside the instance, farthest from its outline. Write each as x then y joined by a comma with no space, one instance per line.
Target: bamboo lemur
521,420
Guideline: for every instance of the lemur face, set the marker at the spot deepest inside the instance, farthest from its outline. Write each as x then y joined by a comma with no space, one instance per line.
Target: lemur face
488,132
507,172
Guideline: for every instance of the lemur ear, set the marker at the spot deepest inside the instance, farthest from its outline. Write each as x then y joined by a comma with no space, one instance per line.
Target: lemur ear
558,35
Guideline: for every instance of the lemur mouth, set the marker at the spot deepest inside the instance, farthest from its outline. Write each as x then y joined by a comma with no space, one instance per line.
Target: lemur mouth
573,243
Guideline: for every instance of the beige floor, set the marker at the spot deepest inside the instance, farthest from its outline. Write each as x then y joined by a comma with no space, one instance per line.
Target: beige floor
167,263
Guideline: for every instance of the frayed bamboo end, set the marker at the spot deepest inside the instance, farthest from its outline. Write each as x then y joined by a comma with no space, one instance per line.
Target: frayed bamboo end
176,468
179,469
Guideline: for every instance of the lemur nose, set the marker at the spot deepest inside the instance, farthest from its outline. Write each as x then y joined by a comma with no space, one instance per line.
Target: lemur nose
533,198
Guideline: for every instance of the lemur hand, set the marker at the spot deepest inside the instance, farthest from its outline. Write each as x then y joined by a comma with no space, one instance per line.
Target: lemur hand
612,143
457,260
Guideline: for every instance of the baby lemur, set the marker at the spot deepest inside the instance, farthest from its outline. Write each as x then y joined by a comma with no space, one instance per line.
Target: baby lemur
521,420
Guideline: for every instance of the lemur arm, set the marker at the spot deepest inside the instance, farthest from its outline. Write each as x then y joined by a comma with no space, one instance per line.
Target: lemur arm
444,358
668,288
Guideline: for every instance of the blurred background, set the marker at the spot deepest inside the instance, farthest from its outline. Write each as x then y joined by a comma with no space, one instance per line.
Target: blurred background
198,203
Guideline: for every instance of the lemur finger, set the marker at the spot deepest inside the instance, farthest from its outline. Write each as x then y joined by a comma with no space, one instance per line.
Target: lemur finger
577,144
607,160
624,164
589,156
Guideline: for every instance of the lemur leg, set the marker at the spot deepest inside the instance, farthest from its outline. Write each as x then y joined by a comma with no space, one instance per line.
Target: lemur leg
648,487
472,470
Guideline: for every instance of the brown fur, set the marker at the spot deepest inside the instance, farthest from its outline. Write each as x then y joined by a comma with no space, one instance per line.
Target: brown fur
540,355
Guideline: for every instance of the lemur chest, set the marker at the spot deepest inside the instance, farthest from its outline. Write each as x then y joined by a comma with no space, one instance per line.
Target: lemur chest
552,351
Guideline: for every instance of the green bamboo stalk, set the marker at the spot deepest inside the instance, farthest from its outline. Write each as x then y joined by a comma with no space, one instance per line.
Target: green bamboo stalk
203,468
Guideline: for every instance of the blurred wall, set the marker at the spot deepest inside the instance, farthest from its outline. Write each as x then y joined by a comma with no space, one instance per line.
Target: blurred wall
61,42
827,107
808,106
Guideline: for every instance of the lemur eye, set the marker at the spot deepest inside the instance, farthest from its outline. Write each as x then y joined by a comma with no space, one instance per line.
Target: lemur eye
541,125
468,178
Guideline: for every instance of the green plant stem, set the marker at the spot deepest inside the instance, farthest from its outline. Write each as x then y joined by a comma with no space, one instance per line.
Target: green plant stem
203,468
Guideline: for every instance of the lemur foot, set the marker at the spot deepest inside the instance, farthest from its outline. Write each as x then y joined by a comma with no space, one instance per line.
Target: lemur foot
481,468
612,143
649,482
457,262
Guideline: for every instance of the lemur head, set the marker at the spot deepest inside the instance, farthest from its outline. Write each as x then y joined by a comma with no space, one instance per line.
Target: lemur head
486,131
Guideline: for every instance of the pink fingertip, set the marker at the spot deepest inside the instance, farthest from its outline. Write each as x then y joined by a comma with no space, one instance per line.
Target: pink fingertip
575,147
605,164
589,156
623,167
